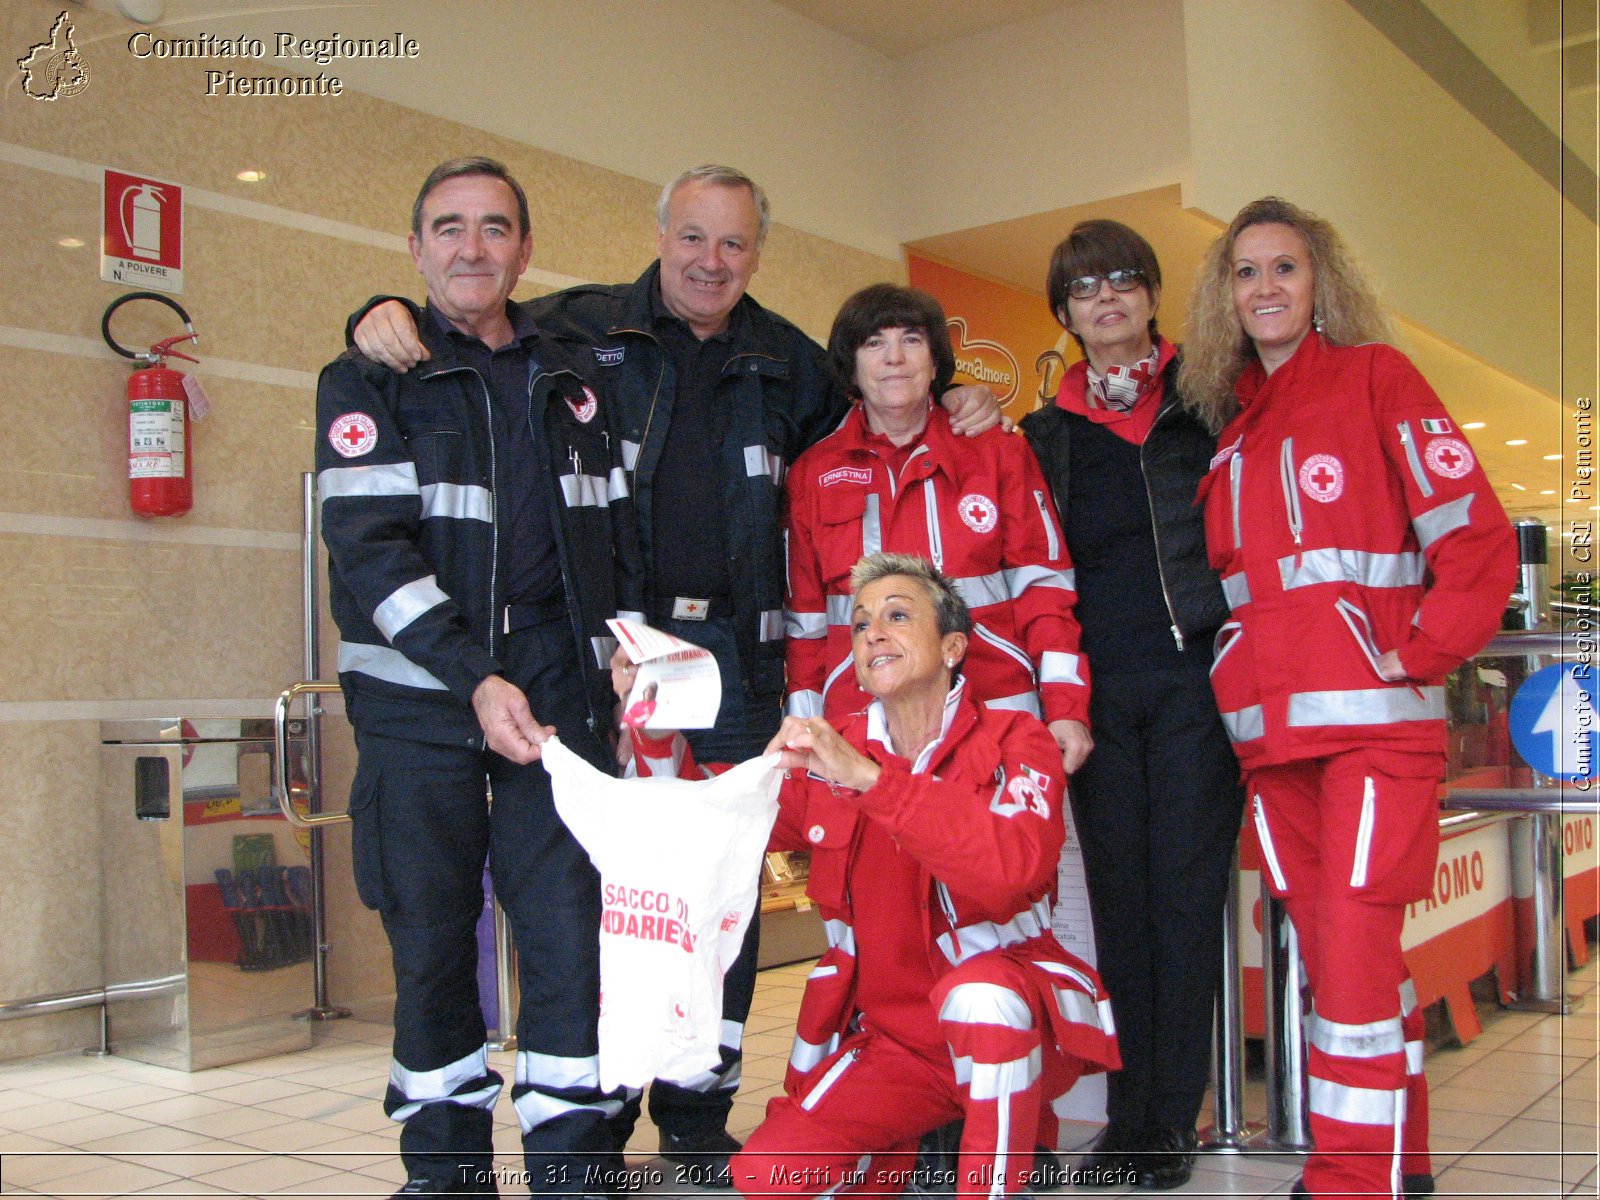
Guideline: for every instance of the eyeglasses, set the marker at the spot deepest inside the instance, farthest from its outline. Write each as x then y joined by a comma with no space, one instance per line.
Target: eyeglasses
1085,287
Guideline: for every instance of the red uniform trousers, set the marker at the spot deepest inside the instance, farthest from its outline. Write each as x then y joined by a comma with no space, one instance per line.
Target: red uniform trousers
853,1125
1347,843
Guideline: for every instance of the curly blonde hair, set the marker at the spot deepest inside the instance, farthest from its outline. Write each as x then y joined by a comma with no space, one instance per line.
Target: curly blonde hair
1344,300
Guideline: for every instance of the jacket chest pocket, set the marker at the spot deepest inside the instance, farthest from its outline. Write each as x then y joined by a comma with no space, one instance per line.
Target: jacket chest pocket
437,443
851,527
828,831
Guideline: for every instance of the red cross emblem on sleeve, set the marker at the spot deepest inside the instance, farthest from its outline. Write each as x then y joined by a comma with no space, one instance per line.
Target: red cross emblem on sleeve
353,434
1449,457
1322,478
980,513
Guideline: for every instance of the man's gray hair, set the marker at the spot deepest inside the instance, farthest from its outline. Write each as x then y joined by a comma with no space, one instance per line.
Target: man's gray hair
951,610
721,177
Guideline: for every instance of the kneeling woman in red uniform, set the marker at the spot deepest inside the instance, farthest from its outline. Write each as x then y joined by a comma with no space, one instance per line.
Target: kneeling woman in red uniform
1364,556
934,826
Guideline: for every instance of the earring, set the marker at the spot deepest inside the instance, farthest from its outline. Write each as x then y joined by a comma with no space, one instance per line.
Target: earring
1316,321
950,663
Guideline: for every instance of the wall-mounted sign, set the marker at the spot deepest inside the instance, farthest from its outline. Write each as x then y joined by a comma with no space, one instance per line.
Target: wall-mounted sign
141,232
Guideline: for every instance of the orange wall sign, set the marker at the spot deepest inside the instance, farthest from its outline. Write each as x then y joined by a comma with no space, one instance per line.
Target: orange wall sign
1002,336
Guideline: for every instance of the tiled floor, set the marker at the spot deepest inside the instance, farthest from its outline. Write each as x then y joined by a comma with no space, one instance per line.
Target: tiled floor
1514,1115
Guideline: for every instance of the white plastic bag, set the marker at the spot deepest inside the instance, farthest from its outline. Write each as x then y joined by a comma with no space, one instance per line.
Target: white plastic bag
679,863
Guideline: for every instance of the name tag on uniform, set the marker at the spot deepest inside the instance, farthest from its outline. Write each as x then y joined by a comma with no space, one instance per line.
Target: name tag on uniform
687,608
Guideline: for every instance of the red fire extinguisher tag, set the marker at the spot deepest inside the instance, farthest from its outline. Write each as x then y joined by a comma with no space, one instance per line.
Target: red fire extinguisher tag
199,402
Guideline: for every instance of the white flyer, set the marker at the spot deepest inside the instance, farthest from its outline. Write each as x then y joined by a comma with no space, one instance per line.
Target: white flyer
677,685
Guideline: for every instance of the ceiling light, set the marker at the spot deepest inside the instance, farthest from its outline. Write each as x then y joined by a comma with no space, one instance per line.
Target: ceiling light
1547,492
251,175
1516,441
70,243
1519,487
1552,458
1473,425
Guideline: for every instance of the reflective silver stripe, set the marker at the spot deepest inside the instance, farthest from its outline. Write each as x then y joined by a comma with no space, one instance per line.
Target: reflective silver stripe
981,590
604,648
1408,440
1072,973
1235,470
405,604
724,1077
993,1081
1333,565
1445,518
1083,1009
1365,706
758,460
1408,997
1369,816
1020,579
805,624
386,663
630,454
629,615
930,504
536,1108
1268,849
390,479
586,491
1414,1058
1354,1105
840,936
1005,647
617,484
556,1071
983,936
1052,539
1057,666
839,608
829,1078
986,1004
871,528
827,684
1236,589
1245,724
770,625
1027,702
1374,1039
823,972
460,501
422,1087
804,705
804,1055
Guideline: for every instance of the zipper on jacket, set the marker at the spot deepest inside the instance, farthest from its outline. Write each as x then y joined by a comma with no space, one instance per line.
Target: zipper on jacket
1291,492
1369,818
1155,532
1413,461
930,501
1052,542
949,908
830,1078
1235,469
495,615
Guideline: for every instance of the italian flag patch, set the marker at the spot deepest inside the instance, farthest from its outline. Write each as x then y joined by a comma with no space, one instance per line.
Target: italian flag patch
1439,426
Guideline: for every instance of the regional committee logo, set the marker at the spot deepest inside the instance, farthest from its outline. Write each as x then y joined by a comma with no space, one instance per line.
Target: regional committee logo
978,512
1450,457
353,434
1322,478
54,68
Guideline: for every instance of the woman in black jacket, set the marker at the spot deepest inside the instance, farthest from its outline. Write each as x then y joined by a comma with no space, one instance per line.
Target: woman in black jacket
1157,804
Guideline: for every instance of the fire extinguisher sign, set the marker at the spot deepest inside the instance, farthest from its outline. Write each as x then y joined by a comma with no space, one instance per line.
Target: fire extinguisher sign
141,232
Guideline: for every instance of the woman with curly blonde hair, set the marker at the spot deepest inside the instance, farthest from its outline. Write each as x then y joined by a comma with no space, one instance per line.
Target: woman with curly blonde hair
1364,556
1345,306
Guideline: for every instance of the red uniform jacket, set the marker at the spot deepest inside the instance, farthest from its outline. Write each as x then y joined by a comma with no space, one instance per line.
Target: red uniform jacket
1348,517
982,816
979,509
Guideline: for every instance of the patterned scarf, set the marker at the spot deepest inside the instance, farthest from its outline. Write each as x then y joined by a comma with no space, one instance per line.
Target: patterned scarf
1121,388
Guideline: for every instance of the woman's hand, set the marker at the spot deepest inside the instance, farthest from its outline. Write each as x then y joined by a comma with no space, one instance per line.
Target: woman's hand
1389,668
622,673
814,745
1075,743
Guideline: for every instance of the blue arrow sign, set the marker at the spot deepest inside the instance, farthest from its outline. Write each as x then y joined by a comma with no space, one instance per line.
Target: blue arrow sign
1555,718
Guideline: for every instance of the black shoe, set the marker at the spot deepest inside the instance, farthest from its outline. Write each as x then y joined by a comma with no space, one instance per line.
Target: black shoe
425,1187
1298,1191
1416,1187
704,1156
1108,1162
1167,1159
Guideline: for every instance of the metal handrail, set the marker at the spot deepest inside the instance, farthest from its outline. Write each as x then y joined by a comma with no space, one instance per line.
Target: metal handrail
280,754
1525,800
1527,641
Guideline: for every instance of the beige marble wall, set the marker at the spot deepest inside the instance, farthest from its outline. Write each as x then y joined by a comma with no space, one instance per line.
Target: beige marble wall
108,615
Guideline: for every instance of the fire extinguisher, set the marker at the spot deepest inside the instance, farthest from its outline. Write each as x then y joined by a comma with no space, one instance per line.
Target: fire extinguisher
160,461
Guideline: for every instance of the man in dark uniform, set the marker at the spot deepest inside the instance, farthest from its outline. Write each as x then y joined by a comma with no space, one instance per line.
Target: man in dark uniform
715,396
479,533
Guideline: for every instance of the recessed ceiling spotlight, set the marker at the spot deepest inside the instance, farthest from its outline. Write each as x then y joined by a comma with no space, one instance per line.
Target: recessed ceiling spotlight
1552,458
1519,487
1516,441
1547,492
1473,425
70,243
250,175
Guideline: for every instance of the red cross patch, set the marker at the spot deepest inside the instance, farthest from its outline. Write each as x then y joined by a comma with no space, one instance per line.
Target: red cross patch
1322,478
980,513
353,434
1450,457
585,410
